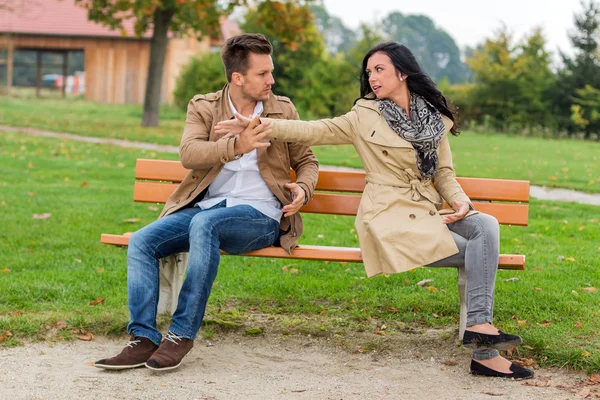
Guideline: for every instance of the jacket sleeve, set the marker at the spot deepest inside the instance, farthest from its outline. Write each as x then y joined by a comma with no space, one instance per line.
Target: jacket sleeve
339,130
304,163
195,150
445,180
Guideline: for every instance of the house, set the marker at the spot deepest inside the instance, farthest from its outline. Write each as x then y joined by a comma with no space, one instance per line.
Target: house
42,41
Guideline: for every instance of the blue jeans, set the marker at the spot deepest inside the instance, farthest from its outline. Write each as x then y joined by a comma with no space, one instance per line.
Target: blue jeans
236,230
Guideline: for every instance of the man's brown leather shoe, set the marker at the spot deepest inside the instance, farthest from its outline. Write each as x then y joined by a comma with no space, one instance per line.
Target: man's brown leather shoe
135,354
170,353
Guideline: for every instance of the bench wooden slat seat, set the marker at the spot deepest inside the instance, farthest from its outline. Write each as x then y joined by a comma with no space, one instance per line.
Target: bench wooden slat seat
507,200
324,253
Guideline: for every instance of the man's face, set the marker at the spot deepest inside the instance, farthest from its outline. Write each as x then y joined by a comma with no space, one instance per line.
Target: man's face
256,83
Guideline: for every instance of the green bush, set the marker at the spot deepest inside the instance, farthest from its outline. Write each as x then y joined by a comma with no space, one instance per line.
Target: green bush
203,74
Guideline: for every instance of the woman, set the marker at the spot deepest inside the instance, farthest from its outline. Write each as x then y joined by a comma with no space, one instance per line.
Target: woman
399,128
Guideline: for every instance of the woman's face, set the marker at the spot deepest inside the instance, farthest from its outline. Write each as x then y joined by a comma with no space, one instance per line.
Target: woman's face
383,77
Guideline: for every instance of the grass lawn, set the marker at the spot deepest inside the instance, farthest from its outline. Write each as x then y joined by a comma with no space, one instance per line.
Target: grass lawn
571,164
51,269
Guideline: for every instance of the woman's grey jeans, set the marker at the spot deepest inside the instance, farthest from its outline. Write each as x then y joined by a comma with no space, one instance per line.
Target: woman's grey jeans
478,240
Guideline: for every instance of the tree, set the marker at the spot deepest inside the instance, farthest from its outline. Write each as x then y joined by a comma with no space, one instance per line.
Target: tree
513,80
297,44
338,37
179,17
435,49
581,70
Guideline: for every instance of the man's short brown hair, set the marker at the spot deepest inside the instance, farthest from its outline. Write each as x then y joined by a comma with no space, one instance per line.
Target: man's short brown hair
236,52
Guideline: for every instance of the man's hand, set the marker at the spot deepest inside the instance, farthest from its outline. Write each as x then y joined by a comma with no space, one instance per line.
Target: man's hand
232,127
298,197
251,137
461,209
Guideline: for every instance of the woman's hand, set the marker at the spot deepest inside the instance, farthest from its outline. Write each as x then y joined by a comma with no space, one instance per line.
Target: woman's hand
254,136
460,210
232,127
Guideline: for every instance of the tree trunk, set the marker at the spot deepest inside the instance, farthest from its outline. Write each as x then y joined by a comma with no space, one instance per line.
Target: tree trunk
158,50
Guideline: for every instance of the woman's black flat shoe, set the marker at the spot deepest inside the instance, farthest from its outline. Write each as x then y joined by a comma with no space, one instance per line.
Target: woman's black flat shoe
518,372
503,341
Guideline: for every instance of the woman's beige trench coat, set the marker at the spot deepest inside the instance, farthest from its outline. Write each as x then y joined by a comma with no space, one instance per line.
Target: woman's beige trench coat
398,222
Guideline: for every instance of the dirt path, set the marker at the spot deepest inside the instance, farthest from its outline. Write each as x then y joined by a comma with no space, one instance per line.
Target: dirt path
236,367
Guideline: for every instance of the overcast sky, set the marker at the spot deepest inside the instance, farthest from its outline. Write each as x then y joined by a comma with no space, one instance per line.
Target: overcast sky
469,22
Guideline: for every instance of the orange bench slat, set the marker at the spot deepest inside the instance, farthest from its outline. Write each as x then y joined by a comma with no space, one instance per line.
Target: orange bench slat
325,253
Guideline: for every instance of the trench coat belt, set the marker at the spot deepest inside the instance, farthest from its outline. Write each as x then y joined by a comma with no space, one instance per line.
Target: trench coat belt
410,181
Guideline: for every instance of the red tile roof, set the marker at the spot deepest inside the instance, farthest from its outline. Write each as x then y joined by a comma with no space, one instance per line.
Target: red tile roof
63,17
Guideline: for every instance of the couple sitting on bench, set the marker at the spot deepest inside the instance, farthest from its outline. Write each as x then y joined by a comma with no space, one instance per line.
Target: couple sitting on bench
238,197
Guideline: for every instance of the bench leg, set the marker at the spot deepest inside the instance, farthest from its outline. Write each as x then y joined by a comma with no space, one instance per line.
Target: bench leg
462,292
172,272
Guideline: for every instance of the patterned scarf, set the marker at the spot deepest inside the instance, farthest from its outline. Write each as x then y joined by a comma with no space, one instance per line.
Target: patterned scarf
424,129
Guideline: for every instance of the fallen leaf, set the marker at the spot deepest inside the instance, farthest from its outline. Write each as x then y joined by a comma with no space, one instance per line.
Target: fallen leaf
589,289
551,178
525,362
595,379
544,324
585,392
579,325
31,194
450,363
392,309
83,184
432,288
5,270
284,268
511,280
61,325
424,282
294,271
570,259
85,336
131,220
581,227
152,208
522,322
30,164
97,301
574,293
320,236
537,289
42,216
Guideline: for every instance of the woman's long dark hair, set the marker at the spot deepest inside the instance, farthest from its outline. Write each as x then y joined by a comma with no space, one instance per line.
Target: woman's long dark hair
416,79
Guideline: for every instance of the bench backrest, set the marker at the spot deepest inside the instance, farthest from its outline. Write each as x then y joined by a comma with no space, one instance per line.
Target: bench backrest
507,200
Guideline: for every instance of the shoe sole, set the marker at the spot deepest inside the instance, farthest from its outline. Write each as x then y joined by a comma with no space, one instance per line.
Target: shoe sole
498,346
505,377
164,368
119,367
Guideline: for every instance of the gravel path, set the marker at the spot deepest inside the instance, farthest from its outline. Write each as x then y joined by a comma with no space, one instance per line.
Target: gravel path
238,367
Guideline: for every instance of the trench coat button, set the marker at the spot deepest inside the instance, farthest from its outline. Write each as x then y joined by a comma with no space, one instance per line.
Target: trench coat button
432,213
194,177
385,153
412,216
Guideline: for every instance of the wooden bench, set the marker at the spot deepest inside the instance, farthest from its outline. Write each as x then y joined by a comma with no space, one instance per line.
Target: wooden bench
507,200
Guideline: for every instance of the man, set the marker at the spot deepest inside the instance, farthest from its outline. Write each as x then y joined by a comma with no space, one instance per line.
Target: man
236,197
